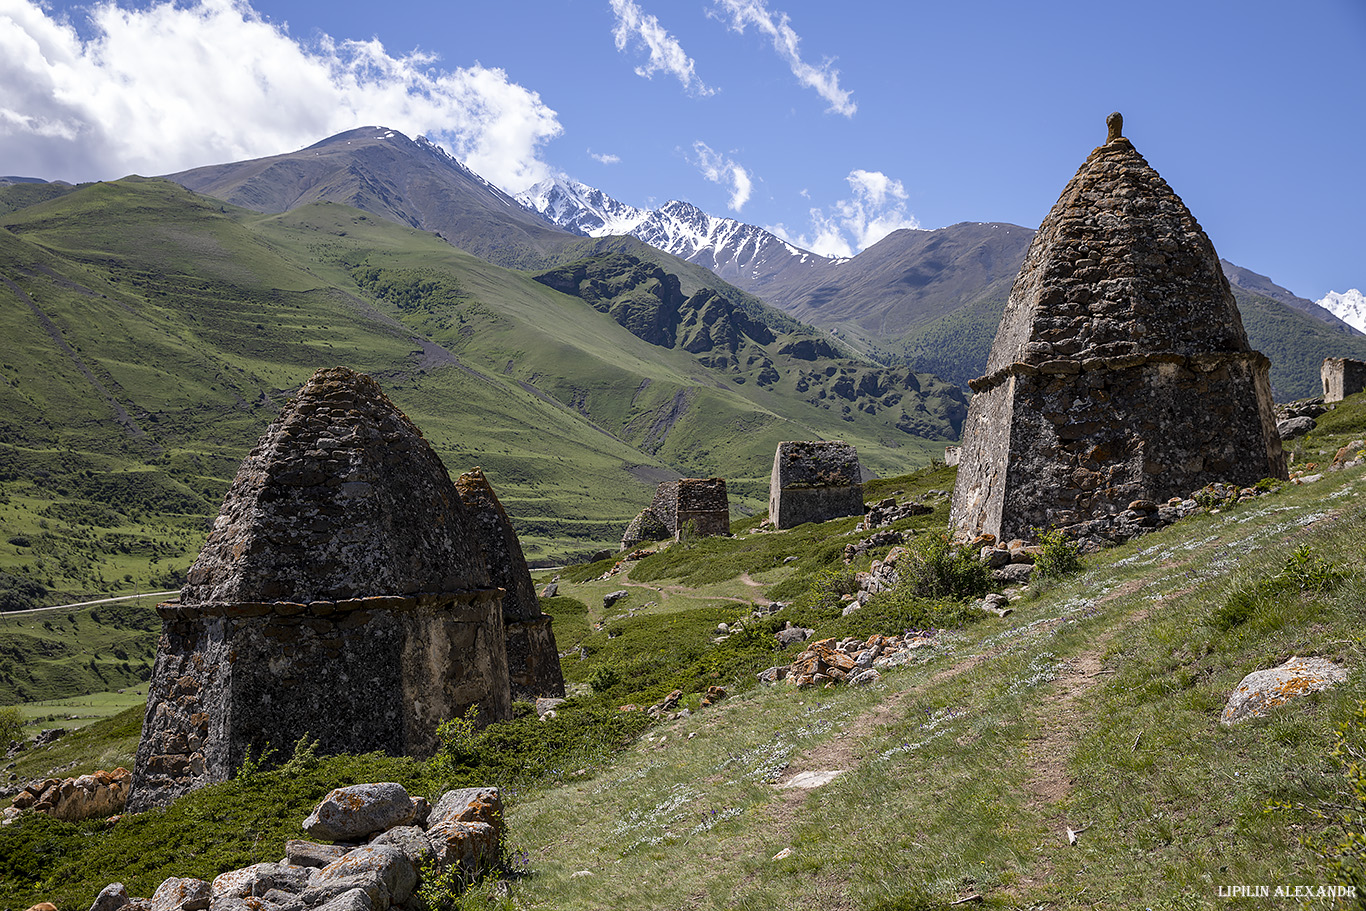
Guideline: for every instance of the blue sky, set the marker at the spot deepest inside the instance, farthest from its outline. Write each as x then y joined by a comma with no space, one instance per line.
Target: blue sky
829,122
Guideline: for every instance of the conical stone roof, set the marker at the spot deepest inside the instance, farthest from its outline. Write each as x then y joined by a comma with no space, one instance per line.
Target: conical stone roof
1119,267
501,549
1120,373
341,498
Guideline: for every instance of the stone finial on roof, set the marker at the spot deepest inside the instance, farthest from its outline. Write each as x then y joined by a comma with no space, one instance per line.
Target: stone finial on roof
341,497
1115,123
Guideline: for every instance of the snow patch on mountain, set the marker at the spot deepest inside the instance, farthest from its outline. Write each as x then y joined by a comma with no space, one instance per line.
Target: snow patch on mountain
1349,306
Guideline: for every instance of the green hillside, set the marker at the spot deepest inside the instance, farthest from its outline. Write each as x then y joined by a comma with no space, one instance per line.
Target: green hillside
1068,755
152,334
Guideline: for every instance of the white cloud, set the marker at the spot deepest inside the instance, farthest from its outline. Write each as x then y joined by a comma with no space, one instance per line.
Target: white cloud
166,87
666,54
719,169
877,208
604,157
824,78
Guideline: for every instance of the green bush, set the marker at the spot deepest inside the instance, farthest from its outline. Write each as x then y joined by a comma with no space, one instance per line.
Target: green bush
936,567
11,725
1059,557
603,678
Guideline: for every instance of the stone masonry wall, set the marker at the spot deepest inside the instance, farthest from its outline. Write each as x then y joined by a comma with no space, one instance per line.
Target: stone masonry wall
533,659
1141,429
814,481
703,502
381,673
1342,376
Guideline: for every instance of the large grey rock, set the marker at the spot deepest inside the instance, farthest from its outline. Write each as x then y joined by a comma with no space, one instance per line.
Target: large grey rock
469,805
383,872
182,894
356,812
411,840
311,854
1261,692
111,898
471,846
1295,427
258,879
350,900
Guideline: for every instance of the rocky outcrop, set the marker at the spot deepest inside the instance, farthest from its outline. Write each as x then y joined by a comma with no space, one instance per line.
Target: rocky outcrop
854,661
342,594
1120,371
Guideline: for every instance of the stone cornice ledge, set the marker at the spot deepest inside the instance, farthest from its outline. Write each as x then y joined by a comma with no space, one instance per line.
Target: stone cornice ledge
1197,363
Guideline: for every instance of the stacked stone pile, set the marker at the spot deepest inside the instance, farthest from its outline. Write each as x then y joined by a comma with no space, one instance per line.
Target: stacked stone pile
73,799
883,538
885,512
380,841
854,661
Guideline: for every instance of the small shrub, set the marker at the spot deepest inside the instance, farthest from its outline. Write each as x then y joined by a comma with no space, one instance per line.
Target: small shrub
460,735
11,725
1303,573
1059,556
936,567
603,678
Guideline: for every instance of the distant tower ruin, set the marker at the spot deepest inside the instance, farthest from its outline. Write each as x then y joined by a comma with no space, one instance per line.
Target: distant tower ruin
533,660
814,481
699,504
1342,376
1120,371
341,594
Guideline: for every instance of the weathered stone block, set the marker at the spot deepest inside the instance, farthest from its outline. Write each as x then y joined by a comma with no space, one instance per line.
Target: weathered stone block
1342,376
814,481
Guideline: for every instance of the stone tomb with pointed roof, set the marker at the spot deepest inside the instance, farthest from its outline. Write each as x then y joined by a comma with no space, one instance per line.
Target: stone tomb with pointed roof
341,594
532,658
1120,371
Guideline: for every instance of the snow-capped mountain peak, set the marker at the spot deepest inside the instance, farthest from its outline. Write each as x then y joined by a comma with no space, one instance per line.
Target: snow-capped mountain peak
732,249
1349,306
580,208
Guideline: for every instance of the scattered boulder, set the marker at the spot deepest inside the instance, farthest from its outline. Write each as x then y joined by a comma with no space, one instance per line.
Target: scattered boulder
885,512
1262,691
465,829
885,538
182,894
111,898
1295,427
791,634
613,597
384,873
311,854
353,813
830,662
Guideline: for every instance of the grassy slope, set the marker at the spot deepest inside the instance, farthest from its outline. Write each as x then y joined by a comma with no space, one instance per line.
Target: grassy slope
169,330
1094,707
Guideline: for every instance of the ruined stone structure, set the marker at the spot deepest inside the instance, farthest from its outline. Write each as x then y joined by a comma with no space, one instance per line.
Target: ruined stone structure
814,481
697,503
533,660
1342,377
341,594
1120,372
